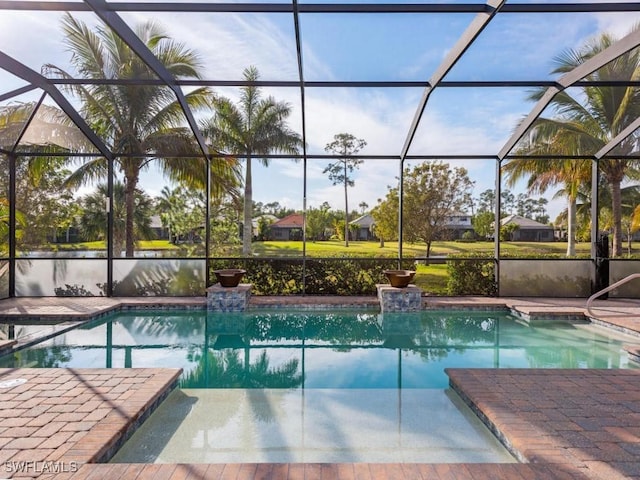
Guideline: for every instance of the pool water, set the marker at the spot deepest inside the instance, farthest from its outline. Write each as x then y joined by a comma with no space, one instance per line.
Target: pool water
287,386
343,350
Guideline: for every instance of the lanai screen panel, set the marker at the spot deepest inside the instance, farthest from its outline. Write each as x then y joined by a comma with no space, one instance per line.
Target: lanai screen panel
469,121
377,46
228,43
41,36
380,116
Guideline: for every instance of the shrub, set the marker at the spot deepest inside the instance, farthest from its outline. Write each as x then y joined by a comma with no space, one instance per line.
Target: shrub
468,236
471,277
322,276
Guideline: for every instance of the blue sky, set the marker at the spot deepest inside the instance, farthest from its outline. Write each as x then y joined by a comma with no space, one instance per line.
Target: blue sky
357,47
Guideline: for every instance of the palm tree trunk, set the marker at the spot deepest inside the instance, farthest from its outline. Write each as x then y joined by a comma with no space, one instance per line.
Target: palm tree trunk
247,230
346,208
616,210
571,227
129,200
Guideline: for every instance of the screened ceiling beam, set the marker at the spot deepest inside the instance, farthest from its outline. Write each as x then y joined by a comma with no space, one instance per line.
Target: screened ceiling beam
22,71
524,125
16,92
27,124
115,22
43,6
213,7
599,60
474,29
296,25
244,83
311,156
332,83
618,139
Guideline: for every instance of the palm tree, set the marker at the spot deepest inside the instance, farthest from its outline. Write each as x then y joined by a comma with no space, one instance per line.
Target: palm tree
142,123
21,223
50,131
93,222
583,127
226,369
544,173
253,127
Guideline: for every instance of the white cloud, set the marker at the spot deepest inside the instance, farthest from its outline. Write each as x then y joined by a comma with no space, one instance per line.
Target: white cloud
32,38
230,42
617,24
380,118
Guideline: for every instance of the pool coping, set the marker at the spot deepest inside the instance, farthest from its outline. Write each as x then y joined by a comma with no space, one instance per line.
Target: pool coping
69,312
85,308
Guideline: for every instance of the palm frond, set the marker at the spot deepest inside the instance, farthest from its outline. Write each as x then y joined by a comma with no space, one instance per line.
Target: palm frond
91,171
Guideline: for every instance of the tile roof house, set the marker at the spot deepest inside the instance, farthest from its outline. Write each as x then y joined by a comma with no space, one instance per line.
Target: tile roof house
287,228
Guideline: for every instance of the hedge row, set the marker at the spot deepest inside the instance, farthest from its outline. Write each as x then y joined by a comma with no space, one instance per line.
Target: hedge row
327,276
350,276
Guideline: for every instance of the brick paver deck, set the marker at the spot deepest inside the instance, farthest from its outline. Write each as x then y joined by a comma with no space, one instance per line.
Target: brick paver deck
61,418
573,424
322,471
584,421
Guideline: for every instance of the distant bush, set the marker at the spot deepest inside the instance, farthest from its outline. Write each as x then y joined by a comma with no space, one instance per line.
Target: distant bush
539,256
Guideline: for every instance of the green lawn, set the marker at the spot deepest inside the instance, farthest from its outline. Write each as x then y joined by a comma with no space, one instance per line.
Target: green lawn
432,278
335,248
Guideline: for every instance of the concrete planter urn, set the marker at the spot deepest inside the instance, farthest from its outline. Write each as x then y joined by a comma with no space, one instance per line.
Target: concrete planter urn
229,277
399,278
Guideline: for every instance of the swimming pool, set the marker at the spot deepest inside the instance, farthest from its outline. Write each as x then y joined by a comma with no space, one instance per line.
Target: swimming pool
289,349
301,386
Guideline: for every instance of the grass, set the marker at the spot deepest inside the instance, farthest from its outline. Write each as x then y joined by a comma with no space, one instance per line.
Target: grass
336,248
333,248
432,278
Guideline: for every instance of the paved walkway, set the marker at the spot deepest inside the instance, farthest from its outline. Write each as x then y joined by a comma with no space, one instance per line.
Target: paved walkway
574,424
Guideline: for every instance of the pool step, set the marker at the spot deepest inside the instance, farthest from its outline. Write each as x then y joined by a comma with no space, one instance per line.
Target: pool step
6,346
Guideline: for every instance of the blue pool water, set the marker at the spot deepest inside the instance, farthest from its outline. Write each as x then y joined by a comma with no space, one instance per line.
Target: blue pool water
344,350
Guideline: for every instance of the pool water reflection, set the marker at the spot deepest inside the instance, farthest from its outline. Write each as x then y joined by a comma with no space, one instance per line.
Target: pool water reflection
301,349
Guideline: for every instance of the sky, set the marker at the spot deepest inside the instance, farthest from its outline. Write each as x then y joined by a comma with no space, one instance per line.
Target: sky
456,121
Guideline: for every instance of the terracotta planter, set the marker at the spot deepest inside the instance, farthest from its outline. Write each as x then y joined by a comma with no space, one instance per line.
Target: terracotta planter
229,277
399,278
